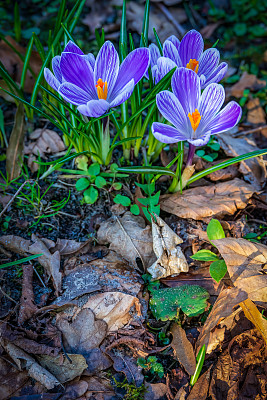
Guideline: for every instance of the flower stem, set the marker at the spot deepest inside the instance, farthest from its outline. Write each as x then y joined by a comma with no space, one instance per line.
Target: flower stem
191,153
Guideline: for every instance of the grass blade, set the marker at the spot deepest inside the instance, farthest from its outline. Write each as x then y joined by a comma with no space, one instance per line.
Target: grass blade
146,170
144,35
21,261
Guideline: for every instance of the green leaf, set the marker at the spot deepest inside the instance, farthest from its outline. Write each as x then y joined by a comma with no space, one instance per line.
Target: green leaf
165,303
90,195
114,167
147,170
200,361
82,184
123,200
21,261
214,146
117,185
218,269
135,209
205,255
200,153
207,157
240,29
215,230
94,169
100,182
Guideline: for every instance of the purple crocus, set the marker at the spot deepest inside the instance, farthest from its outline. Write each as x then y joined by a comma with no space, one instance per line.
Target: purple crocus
194,116
189,54
96,85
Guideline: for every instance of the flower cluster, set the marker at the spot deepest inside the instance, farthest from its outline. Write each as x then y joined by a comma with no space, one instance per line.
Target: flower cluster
96,85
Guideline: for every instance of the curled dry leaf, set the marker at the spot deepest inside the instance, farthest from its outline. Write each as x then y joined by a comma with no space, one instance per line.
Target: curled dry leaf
83,333
27,306
64,368
209,201
15,150
183,349
253,314
246,264
213,331
115,308
25,361
129,237
254,169
247,81
170,258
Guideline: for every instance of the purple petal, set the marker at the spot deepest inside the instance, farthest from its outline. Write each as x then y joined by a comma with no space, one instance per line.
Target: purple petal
155,74
165,65
94,108
56,68
73,94
124,95
134,67
200,141
226,119
91,59
174,41
172,110
208,62
166,133
72,48
170,51
77,70
186,87
217,75
154,54
211,100
51,79
107,65
191,47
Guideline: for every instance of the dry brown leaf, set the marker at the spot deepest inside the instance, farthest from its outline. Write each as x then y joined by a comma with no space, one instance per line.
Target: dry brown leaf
253,314
247,81
183,349
254,169
97,387
170,258
25,361
129,237
211,334
208,201
83,333
14,153
246,264
75,391
200,389
64,368
27,306
11,379
14,64
155,391
113,308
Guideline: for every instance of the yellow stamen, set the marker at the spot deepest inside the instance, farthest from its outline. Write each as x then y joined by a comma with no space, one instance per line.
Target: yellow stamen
194,118
102,89
193,64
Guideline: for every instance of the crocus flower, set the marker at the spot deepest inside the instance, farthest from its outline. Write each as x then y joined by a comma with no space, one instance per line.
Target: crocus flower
96,85
194,116
189,54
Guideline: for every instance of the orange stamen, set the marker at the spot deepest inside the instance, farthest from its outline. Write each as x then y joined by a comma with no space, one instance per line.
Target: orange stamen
102,89
194,118
193,64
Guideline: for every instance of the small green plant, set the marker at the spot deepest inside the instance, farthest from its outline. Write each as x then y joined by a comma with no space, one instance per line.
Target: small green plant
218,266
166,303
163,338
132,392
200,361
151,364
210,151
5,223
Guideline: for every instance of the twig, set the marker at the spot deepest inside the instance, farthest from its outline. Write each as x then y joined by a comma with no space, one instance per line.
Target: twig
169,16
242,133
6,295
259,221
13,198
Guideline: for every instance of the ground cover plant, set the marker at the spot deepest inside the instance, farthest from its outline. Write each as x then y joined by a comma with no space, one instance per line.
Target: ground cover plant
133,200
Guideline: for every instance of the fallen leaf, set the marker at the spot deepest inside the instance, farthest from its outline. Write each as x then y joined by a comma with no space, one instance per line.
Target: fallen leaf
212,333
15,150
247,81
254,169
183,349
27,306
99,387
246,264
68,247
25,361
155,391
97,361
64,368
253,314
83,333
115,308
224,174
208,30
208,201
241,370
14,65
75,390
170,258
201,388
128,366
129,237
11,379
